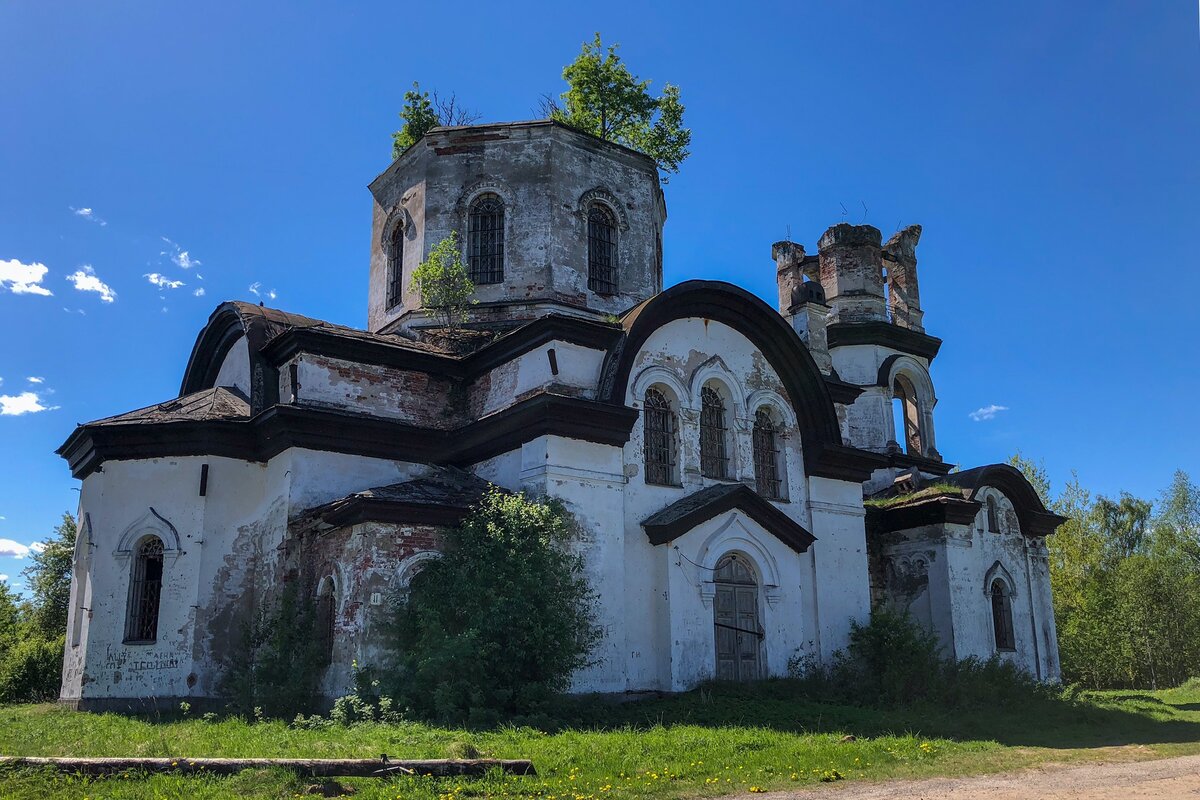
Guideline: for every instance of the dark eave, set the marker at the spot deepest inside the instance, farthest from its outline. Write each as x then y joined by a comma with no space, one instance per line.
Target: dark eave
840,462
885,334
843,392
930,465
683,515
441,498
931,510
284,426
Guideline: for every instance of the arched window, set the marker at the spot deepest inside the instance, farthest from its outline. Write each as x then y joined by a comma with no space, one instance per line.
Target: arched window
395,262
1002,621
908,414
485,239
145,591
766,454
602,250
658,420
326,607
714,461
993,515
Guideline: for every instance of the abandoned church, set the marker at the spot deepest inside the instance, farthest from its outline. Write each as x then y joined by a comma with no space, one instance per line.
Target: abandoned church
747,479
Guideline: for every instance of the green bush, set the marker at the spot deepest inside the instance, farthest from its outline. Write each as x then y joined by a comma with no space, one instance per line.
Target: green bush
892,662
31,671
498,624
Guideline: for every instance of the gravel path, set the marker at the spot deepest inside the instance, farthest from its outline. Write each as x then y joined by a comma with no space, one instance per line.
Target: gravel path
1165,779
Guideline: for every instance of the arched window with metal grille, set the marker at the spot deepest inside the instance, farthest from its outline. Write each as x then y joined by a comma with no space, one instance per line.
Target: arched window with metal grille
658,421
1002,621
766,455
145,592
395,262
485,239
602,250
714,458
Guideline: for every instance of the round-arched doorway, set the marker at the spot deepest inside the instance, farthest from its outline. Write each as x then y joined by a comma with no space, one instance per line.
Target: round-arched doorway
738,632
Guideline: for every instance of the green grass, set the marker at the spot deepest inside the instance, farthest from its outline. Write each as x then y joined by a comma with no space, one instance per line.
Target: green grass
707,743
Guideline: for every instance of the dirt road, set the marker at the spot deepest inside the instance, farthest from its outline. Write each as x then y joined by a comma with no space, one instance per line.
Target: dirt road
1166,779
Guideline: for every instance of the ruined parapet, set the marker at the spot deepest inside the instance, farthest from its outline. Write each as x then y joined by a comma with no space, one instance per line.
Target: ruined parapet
851,272
904,298
789,272
802,301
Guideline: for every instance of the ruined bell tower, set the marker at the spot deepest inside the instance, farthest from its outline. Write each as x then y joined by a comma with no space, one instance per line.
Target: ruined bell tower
857,306
548,219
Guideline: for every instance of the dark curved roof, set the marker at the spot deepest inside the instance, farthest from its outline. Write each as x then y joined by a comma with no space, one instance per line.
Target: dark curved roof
218,403
443,497
675,520
731,305
1035,518
228,323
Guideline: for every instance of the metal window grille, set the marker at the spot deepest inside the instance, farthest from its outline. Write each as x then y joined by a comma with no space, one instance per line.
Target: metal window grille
714,463
145,591
485,240
1002,618
395,259
766,455
602,250
658,420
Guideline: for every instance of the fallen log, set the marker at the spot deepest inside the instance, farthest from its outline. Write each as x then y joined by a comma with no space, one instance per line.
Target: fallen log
313,767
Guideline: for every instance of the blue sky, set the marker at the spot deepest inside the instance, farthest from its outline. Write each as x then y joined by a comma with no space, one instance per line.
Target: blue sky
1049,151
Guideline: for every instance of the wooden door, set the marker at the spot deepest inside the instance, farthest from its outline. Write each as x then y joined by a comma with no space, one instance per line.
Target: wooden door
735,619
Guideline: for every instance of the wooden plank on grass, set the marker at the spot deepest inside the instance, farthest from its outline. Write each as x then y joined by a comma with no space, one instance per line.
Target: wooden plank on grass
314,767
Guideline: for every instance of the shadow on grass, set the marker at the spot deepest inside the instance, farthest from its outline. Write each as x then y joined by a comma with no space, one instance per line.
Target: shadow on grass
1040,720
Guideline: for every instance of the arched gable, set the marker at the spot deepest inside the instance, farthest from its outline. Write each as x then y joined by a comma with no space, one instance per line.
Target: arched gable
816,420
1034,518
228,324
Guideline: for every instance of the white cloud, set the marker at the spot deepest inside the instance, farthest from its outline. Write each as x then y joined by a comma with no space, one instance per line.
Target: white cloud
85,280
199,292
162,281
36,380
13,549
88,214
179,256
257,290
38,547
987,412
14,405
3,578
21,278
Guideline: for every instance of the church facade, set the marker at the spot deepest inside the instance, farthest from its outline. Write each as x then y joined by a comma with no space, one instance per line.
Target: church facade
747,479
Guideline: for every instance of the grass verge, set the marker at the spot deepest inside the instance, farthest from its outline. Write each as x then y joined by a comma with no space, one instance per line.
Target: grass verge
710,742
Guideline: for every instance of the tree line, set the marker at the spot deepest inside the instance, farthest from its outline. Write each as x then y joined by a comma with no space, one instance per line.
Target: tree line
33,629
1125,577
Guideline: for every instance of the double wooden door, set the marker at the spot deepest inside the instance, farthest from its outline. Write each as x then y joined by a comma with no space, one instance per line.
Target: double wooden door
736,622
